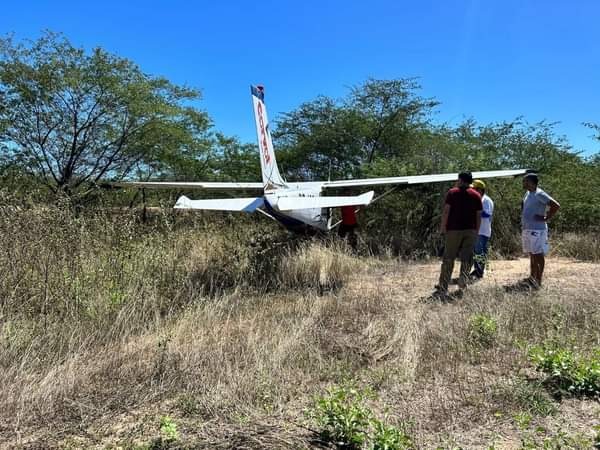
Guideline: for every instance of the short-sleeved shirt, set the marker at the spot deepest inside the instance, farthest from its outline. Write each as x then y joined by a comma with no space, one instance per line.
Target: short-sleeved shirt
464,205
535,203
486,216
349,215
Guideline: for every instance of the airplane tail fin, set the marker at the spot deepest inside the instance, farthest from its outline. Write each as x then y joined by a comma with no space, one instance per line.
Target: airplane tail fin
270,172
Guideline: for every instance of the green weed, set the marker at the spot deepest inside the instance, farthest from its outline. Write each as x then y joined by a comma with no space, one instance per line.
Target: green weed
388,437
342,416
482,330
168,429
344,419
188,405
560,440
569,372
527,396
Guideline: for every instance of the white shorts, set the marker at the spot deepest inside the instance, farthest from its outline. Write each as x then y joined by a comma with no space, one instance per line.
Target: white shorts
535,242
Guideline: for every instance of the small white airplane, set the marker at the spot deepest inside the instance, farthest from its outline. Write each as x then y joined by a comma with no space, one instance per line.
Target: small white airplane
299,205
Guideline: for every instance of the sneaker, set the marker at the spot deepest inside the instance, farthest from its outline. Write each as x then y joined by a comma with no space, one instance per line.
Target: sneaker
474,278
524,285
533,284
529,283
440,295
469,280
459,293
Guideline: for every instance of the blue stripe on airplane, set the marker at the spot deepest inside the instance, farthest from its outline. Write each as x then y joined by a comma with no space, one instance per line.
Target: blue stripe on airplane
257,203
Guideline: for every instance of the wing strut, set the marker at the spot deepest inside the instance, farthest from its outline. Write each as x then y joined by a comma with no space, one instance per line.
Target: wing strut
389,191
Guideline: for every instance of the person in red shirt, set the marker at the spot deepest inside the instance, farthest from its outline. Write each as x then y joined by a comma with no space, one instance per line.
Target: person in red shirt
460,223
348,225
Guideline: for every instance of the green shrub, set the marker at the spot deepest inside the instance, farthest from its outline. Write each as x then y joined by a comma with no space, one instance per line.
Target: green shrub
344,419
532,397
342,416
168,429
388,437
570,372
168,437
525,396
483,330
559,440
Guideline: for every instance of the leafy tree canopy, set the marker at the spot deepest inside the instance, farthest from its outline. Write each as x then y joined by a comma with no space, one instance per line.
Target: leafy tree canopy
378,119
72,118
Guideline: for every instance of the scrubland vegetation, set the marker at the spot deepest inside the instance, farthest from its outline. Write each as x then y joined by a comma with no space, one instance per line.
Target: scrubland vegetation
164,330
193,333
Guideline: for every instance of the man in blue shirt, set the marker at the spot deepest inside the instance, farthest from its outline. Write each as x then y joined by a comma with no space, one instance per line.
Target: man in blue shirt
538,209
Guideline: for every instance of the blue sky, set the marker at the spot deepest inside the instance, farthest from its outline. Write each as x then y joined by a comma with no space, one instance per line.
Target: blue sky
490,60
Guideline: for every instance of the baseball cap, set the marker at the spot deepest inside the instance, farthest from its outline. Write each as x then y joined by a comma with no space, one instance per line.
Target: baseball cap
478,184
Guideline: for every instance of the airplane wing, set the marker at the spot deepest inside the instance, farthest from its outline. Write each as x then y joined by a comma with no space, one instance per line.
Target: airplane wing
187,185
290,203
223,204
417,179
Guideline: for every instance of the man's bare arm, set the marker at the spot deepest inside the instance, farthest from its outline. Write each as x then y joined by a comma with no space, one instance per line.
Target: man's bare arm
445,214
554,206
478,221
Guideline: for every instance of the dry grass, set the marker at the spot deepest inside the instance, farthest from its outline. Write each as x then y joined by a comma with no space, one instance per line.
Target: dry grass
584,247
315,265
108,326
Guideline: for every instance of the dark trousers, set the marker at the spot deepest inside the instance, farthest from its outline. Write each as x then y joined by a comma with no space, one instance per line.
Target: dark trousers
459,243
350,231
480,258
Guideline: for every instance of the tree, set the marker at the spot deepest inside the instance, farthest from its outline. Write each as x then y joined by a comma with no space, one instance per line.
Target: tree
596,128
378,119
235,161
73,118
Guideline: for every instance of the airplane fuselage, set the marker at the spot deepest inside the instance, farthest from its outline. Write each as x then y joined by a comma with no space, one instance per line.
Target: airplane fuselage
298,220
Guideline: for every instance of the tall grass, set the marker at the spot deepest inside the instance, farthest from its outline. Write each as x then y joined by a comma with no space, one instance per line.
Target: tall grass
108,324
316,265
104,277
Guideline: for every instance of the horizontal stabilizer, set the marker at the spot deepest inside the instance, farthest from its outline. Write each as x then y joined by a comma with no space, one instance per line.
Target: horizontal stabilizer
226,204
290,203
188,185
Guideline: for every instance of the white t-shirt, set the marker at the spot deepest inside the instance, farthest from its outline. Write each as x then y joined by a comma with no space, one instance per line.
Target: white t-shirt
486,216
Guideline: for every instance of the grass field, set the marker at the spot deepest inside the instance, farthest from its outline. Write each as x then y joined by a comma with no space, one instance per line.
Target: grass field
202,337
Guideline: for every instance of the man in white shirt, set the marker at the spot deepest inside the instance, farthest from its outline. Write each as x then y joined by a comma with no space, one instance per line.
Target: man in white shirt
485,231
538,209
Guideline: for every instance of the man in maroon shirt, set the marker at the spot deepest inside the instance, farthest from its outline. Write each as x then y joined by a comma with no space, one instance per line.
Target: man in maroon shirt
460,222
348,225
